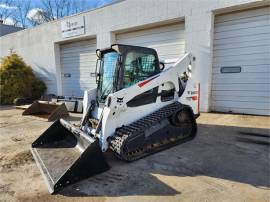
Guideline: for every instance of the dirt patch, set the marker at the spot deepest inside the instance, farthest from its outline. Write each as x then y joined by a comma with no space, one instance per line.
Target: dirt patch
212,167
3,123
41,197
19,159
5,189
16,139
5,116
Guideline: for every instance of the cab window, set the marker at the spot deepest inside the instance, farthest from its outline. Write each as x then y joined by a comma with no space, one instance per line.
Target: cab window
138,67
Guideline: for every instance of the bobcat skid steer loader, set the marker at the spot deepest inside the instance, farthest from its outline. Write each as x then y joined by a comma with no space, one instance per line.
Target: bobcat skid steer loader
138,108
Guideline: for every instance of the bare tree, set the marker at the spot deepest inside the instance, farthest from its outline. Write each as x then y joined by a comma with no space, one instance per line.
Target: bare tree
20,16
23,14
77,6
6,9
37,16
57,8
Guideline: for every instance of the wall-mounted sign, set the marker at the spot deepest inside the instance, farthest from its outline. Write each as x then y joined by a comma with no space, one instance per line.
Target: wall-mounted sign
73,27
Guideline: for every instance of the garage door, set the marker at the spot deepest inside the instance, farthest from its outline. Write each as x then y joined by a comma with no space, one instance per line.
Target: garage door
168,40
78,61
241,63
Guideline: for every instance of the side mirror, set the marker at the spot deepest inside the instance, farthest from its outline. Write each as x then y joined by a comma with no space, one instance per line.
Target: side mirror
98,53
161,65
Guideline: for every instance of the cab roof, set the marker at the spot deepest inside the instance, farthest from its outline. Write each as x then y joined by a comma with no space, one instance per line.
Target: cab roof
122,49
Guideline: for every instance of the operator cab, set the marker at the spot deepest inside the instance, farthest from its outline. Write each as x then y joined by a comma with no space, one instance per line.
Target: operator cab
121,66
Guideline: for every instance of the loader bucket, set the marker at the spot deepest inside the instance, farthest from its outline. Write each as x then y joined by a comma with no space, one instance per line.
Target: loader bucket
46,110
65,154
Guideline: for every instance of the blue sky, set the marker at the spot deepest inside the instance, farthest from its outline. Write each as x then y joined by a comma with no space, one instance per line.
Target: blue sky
82,5
88,3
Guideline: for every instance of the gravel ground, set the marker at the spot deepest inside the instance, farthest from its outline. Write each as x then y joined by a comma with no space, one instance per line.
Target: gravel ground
227,161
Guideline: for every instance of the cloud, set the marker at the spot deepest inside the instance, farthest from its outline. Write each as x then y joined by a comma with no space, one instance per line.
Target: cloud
33,12
9,21
5,6
37,15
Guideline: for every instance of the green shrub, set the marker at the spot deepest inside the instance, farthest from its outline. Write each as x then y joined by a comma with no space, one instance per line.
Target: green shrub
18,80
38,88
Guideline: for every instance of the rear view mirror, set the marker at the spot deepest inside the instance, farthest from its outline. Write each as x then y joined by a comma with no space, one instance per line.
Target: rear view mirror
98,53
161,65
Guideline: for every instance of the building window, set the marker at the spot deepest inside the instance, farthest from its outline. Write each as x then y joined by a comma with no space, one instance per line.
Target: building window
232,69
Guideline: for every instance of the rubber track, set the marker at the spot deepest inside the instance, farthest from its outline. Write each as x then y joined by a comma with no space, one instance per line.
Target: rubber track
128,132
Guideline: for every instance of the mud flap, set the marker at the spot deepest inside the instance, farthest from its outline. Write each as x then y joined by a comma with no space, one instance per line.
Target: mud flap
48,111
65,155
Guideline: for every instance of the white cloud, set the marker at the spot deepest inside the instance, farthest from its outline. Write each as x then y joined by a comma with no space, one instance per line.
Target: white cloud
35,13
5,6
9,21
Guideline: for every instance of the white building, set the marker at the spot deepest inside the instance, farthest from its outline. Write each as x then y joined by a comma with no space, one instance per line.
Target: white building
230,39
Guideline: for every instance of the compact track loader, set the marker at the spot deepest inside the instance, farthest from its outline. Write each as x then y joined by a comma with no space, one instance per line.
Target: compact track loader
139,107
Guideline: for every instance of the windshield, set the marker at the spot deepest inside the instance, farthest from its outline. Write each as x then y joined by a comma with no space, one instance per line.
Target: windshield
108,66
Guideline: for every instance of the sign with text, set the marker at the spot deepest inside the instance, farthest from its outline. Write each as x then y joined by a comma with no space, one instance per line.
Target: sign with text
73,27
